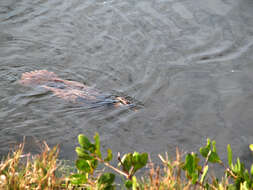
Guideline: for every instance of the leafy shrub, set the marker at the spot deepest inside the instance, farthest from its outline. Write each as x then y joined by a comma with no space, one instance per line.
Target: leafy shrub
89,156
20,171
195,175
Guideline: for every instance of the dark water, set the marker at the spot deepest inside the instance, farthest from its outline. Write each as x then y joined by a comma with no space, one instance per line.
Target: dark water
189,63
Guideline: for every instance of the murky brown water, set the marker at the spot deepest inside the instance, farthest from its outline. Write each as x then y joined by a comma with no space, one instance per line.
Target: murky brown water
189,63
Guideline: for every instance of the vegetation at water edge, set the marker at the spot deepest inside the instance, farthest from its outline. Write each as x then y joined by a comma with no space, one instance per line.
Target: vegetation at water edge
20,171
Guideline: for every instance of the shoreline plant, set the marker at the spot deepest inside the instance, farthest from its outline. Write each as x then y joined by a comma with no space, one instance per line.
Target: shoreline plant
43,171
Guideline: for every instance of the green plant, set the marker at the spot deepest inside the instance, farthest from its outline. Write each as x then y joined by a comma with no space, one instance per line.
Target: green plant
43,171
235,172
89,156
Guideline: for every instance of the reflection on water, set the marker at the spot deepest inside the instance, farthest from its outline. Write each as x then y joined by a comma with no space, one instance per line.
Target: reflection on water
189,64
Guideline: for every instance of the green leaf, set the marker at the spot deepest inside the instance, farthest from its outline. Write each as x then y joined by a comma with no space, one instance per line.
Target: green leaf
230,155
144,158
128,184
251,147
205,150
205,170
139,160
196,161
214,157
82,154
93,165
194,178
214,146
106,179
246,175
127,162
109,155
84,141
239,164
78,179
92,148
83,165
135,158
189,165
97,145
211,154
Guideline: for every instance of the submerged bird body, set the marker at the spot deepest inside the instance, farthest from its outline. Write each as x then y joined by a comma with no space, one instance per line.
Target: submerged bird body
69,90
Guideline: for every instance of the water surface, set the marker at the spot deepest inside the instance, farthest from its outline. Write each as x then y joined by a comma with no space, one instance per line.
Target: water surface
190,65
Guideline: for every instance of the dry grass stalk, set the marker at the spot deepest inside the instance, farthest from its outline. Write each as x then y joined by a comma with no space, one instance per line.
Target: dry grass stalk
23,172
169,178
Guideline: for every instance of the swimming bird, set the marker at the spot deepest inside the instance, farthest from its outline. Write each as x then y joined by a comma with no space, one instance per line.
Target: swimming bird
72,91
